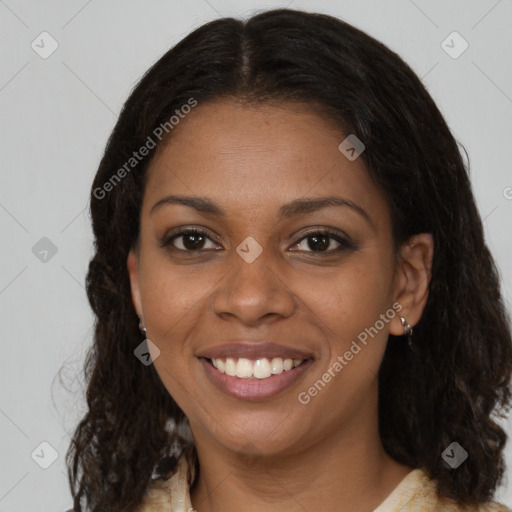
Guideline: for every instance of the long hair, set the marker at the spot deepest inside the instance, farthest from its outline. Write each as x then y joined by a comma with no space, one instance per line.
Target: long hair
446,388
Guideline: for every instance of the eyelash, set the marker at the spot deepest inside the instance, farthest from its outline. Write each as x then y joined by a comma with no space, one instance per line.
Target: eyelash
166,241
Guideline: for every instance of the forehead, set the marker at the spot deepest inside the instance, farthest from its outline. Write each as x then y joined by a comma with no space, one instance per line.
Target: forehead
257,157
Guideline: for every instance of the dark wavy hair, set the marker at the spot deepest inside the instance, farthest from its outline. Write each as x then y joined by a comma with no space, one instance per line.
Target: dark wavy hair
446,387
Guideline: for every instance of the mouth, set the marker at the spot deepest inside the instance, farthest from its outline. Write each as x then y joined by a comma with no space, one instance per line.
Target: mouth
256,371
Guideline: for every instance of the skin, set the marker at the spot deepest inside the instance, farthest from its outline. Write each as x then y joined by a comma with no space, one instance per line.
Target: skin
250,161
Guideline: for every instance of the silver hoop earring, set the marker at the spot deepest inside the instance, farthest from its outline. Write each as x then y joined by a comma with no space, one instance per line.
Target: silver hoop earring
142,329
407,326
407,330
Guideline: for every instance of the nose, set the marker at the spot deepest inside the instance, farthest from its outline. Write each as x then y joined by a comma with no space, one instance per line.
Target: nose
253,292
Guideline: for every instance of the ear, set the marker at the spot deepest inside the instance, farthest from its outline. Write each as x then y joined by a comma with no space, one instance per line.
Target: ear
412,280
133,272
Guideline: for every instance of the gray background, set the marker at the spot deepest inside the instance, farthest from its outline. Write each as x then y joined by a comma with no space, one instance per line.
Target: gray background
57,113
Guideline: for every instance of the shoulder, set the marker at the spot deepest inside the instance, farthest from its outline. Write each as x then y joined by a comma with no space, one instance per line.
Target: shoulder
417,492
173,492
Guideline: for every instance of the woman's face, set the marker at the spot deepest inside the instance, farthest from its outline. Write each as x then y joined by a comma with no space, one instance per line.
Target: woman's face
261,285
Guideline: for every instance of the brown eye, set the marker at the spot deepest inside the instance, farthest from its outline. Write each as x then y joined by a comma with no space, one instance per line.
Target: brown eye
322,242
189,240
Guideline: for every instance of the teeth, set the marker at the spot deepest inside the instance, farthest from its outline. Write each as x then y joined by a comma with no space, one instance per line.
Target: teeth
260,368
243,368
230,367
277,366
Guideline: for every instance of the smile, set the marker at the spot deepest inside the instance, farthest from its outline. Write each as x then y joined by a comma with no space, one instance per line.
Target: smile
245,384
261,368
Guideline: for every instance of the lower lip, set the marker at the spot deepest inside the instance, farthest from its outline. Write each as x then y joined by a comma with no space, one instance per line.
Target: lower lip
254,389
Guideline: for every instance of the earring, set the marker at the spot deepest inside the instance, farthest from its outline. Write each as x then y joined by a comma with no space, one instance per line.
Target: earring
142,329
407,330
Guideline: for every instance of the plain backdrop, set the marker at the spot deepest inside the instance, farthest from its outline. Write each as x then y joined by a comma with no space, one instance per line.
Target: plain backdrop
57,111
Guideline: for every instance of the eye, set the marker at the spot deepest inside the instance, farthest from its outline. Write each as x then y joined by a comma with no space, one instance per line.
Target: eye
188,240
321,242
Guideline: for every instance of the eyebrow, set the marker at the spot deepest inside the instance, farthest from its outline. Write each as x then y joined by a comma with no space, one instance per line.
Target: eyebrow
294,208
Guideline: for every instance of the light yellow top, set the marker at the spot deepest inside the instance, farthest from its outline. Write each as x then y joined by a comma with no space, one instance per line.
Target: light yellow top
415,493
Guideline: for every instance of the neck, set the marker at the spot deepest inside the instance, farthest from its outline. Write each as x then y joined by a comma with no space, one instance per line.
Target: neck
348,470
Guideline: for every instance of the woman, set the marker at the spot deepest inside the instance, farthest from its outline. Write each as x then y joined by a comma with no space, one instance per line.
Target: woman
296,308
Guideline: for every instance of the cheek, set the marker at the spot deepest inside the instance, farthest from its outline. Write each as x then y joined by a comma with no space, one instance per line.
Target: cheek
348,300
172,296
171,307
347,309
170,300
175,299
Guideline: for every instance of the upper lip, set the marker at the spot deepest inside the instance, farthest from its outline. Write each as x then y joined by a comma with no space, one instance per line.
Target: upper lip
252,350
